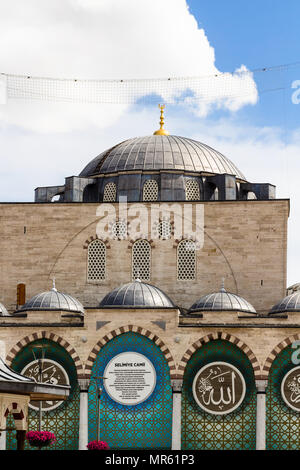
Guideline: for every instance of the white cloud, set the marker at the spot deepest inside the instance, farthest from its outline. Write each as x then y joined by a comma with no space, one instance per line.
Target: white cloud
41,143
33,160
111,39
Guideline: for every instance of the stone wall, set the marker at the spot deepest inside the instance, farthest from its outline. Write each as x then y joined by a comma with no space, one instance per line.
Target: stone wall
245,242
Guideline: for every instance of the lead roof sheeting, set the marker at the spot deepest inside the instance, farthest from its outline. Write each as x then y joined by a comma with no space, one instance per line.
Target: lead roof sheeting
222,301
137,294
289,303
8,375
161,152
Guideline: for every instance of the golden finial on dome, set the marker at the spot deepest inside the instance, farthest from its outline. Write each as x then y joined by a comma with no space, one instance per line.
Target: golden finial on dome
161,131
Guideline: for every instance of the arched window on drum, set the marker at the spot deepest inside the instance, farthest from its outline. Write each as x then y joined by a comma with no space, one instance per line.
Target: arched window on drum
110,192
150,191
141,260
186,260
96,261
192,190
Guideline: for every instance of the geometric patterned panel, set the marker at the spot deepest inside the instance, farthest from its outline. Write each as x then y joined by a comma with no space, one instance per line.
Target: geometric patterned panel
282,423
110,192
186,261
141,260
147,425
96,261
234,431
164,229
192,192
150,191
62,421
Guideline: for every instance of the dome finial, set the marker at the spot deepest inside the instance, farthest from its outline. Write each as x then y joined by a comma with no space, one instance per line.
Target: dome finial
161,131
223,285
53,284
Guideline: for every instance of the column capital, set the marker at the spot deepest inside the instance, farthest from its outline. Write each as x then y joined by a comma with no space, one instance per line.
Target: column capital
176,385
83,385
261,385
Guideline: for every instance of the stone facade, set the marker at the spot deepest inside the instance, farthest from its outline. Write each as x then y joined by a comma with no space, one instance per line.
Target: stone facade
245,242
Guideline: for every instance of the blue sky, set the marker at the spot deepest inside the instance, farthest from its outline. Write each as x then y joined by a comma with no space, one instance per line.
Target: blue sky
42,143
258,33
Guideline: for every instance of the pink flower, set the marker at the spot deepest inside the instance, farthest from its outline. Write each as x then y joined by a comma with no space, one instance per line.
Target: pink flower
97,445
36,438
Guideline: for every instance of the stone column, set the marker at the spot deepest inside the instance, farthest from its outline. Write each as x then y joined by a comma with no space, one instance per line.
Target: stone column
176,416
83,414
261,386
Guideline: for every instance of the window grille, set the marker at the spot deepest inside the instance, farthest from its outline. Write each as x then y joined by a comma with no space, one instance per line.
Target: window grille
96,261
150,191
192,191
186,260
164,229
118,230
110,192
141,260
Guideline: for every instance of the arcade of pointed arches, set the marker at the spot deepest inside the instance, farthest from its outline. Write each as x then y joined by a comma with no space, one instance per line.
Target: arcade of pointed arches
84,370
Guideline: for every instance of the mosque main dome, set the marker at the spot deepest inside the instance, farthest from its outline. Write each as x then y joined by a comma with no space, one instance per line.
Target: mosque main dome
161,152
158,167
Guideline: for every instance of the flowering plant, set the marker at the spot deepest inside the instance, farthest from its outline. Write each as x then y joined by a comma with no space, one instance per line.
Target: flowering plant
40,438
97,445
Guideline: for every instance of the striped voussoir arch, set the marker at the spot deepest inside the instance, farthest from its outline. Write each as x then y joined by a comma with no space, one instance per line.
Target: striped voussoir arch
226,337
125,329
274,353
52,337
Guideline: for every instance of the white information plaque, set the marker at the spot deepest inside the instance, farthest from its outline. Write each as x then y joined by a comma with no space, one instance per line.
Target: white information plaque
130,378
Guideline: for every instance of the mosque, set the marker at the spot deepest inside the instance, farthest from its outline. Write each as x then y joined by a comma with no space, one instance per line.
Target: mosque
155,280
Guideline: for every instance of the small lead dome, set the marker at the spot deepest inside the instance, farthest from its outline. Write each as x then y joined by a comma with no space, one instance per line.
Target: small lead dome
53,300
222,300
3,311
137,294
290,303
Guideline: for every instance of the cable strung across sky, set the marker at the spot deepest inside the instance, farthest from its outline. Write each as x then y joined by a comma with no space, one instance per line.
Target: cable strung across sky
217,88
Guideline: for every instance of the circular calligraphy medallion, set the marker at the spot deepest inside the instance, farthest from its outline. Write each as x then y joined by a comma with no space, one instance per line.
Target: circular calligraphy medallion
53,374
130,378
219,388
290,388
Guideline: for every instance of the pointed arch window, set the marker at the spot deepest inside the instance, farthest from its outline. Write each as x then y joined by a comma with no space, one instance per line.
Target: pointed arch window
192,190
96,261
141,260
186,261
110,192
150,191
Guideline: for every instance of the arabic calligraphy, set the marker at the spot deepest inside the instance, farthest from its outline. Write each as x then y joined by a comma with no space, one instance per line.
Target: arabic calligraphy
290,388
219,388
53,373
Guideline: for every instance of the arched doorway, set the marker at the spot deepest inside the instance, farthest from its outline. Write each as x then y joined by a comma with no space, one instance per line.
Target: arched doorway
282,422
61,418
203,430
147,425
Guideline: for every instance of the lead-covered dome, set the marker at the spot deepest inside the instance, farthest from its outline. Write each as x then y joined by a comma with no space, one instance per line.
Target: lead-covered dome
290,303
136,294
53,300
3,311
161,152
220,301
